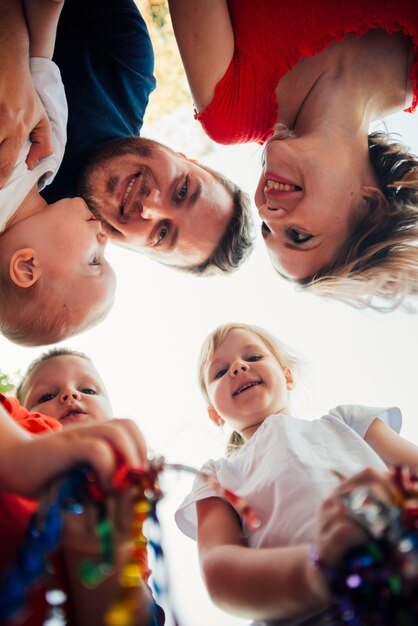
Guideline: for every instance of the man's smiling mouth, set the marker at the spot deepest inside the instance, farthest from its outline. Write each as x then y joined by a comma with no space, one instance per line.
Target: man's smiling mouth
246,386
128,189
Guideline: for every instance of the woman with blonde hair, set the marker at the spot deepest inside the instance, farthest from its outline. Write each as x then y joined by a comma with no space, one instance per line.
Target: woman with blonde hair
338,206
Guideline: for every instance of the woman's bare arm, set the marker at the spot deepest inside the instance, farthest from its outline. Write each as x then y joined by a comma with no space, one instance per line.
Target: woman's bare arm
206,42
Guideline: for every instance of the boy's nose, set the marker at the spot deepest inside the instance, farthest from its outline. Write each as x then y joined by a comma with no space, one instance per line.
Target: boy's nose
68,395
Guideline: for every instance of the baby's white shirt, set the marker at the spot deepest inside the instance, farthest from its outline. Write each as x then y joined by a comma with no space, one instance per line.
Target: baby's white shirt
48,84
284,471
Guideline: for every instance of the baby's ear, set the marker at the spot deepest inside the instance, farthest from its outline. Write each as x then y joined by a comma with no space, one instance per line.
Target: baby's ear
215,417
24,268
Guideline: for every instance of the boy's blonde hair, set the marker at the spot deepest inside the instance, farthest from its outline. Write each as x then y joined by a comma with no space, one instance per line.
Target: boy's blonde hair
278,349
50,354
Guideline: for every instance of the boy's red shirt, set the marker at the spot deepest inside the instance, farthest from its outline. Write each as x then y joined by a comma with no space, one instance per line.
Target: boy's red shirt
15,511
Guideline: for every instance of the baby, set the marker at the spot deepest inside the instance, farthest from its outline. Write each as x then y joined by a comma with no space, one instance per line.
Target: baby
54,279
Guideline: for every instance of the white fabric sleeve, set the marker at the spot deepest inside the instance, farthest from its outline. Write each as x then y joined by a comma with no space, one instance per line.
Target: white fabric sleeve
46,77
359,417
186,516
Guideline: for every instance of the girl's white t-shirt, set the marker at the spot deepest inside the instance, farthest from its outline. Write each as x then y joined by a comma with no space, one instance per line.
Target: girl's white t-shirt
48,84
284,471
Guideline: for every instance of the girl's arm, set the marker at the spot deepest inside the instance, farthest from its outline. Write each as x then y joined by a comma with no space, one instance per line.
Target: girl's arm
392,449
260,584
42,20
206,42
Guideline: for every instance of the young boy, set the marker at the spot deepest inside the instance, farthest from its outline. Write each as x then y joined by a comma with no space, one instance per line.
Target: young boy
54,279
67,388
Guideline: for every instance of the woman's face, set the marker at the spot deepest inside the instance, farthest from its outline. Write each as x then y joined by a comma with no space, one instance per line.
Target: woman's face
310,197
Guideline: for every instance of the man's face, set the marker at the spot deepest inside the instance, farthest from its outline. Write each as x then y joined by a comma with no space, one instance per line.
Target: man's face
157,202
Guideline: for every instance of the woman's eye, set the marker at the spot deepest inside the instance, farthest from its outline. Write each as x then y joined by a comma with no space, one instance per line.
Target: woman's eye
46,398
265,229
162,233
182,192
299,237
220,374
253,358
94,261
89,392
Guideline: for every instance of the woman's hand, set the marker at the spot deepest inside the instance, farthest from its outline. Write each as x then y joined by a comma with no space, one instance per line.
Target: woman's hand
337,531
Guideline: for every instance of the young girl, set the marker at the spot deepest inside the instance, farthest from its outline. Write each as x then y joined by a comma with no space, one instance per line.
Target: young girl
284,467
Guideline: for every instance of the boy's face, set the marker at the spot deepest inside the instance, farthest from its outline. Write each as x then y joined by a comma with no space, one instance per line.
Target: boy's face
68,388
245,382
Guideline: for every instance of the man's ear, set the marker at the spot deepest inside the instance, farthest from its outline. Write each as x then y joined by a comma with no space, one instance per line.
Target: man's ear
186,157
215,417
289,378
24,268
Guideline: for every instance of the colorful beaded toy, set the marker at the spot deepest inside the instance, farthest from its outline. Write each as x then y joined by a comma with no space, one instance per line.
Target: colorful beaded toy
377,584
73,491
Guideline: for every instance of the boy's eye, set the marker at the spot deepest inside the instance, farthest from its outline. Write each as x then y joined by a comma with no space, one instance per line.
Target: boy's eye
255,357
220,373
46,398
89,392
162,233
94,261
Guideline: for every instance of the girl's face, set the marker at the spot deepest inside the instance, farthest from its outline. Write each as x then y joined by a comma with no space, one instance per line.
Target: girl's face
245,382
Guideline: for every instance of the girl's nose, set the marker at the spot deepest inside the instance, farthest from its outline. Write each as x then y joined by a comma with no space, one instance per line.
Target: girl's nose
237,367
69,395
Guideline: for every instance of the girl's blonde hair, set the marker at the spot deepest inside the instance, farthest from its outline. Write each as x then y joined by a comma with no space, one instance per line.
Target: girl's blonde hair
278,349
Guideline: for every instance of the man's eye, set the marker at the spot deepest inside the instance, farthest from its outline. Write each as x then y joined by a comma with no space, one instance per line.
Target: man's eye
46,398
220,374
298,237
182,192
253,358
89,392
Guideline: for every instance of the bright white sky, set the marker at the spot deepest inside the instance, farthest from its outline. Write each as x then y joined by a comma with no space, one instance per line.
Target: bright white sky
146,350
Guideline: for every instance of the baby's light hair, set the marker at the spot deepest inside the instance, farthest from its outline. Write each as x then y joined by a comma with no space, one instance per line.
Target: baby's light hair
278,349
50,354
30,317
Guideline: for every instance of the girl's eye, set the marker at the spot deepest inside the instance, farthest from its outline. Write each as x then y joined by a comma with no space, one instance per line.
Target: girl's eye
298,237
253,358
182,192
89,392
46,398
95,261
220,374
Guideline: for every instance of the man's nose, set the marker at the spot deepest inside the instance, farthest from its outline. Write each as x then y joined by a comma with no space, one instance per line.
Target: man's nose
152,205
69,394
237,367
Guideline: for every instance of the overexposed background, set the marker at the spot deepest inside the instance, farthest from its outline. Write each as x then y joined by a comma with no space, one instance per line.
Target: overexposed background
146,350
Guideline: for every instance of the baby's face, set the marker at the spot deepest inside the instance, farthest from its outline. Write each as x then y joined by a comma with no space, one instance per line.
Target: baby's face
68,388
71,249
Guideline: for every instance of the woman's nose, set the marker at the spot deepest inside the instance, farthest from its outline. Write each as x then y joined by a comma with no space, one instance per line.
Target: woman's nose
69,394
237,367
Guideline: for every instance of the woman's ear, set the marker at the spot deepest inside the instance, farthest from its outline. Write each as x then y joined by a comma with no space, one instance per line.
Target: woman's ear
24,268
374,197
289,378
215,417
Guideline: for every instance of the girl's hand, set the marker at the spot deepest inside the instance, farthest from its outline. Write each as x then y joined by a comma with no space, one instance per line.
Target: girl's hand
336,531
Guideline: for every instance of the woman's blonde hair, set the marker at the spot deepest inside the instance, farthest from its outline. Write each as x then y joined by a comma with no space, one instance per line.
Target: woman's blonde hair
278,349
378,265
